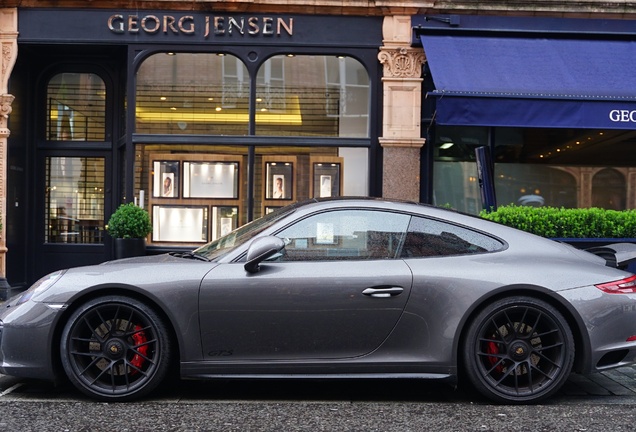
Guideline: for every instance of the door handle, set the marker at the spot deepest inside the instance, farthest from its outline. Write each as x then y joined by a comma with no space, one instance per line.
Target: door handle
383,292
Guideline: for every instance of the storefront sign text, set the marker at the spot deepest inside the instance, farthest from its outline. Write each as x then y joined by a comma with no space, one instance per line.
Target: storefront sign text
623,116
207,26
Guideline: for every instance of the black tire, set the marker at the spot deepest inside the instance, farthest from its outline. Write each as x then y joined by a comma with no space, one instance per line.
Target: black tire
518,350
115,348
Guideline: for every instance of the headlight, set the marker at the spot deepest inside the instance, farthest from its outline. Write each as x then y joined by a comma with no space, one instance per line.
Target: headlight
41,285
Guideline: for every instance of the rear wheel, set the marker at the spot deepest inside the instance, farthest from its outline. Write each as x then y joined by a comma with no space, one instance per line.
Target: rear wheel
518,350
115,348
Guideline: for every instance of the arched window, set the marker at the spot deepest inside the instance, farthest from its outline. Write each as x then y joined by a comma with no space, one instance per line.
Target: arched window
76,107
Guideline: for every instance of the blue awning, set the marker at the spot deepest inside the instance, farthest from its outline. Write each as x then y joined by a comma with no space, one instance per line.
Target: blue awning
533,81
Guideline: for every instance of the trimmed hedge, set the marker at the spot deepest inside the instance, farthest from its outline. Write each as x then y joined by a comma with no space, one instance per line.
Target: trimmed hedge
554,222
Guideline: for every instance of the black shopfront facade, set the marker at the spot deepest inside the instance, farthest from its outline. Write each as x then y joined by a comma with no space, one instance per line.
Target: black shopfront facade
206,120
552,99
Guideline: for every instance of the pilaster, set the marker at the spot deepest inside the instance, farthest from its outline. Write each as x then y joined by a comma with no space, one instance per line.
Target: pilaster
9,53
402,95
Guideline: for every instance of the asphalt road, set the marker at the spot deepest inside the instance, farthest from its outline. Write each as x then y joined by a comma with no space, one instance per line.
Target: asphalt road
604,402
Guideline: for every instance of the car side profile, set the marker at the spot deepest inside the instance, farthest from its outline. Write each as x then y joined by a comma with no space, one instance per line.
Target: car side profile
337,288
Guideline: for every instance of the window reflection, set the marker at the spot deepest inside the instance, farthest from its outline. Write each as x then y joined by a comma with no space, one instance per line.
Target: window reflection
312,95
553,167
203,93
186,93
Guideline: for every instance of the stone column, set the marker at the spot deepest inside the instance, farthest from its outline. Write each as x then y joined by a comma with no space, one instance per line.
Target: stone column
402,90
9,44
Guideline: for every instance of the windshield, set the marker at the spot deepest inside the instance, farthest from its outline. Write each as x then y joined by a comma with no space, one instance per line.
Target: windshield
219,247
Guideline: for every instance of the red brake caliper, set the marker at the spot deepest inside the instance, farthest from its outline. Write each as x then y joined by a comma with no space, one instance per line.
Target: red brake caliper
140,339
492,348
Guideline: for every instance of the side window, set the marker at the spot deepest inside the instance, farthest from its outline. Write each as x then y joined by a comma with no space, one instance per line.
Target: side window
345,235
427,237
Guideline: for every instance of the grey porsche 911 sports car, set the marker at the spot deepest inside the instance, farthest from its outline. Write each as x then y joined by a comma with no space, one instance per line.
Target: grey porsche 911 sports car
350,288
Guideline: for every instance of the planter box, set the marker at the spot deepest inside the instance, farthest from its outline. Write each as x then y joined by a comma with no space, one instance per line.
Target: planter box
130,247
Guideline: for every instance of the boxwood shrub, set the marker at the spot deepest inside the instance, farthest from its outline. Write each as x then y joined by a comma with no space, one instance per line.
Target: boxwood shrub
555,222
129,221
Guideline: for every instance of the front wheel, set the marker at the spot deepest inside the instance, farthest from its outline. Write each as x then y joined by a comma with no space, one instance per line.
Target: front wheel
518,350
115,348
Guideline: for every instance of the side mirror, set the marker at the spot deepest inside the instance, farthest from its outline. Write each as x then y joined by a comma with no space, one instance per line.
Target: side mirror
261,249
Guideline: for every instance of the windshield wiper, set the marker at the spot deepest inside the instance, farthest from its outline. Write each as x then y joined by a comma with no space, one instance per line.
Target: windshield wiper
190,255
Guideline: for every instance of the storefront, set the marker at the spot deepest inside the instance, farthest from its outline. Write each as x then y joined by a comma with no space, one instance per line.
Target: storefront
554,100
206,120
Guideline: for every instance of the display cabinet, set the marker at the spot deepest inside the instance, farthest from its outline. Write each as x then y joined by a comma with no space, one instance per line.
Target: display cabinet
326,174
196,198
278,181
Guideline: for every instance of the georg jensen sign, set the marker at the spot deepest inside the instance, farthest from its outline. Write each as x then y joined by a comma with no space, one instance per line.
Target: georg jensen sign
206,26
623,116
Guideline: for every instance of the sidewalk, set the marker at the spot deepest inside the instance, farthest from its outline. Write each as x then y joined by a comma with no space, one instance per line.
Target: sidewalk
614,382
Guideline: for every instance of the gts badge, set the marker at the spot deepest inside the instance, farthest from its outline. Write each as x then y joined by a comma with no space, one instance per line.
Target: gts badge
221,353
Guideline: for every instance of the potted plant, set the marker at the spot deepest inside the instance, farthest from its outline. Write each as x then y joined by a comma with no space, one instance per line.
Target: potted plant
129,225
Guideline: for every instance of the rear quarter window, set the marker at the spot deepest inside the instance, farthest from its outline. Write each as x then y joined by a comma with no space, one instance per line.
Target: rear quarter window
428,238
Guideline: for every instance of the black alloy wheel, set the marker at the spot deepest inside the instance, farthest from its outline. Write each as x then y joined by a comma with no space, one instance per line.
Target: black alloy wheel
518,350
115,348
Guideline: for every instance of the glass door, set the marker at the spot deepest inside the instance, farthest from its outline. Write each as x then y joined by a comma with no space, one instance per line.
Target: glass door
73,212
74,200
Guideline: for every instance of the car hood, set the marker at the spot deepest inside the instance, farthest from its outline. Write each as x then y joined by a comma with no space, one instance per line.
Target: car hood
148,259
149,274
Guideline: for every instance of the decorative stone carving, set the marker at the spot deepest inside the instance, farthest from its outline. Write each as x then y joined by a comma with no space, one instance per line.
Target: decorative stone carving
402,62
5,109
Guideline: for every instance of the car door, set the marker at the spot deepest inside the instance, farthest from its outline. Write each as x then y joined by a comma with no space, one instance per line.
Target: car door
336,292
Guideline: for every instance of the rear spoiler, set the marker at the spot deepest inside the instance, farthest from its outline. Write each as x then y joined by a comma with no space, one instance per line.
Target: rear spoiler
616,255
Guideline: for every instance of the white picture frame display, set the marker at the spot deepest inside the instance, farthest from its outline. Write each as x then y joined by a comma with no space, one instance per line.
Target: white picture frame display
279,180
210,180
326,181
179,224
165,180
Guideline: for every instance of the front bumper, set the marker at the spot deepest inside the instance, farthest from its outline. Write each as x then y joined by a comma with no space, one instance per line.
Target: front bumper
26,334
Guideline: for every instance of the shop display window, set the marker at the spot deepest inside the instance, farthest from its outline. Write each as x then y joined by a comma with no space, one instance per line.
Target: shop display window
571,168
300,95
195,197
210,193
